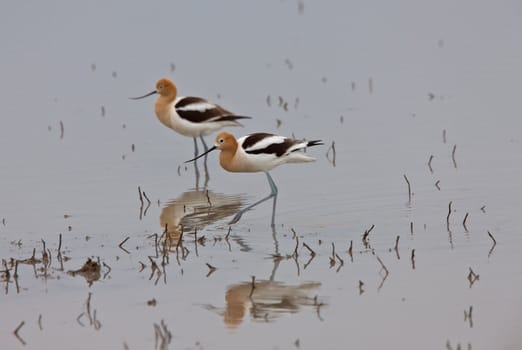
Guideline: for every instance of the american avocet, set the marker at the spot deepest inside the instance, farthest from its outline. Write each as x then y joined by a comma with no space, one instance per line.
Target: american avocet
189,116
259,152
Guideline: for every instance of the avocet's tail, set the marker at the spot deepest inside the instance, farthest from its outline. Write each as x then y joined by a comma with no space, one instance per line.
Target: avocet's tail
314,143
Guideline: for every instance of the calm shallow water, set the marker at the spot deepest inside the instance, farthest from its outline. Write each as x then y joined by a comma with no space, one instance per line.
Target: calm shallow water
382,81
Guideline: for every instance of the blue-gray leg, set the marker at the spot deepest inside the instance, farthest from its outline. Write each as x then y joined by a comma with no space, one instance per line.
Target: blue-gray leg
195,147
196,152
196,170
207,177
203,142
273,194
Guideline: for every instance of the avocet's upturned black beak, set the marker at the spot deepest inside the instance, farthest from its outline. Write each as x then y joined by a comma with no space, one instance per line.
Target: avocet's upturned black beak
203,154
147,95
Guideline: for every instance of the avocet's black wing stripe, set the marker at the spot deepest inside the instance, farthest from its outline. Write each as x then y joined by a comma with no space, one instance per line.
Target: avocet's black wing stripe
264,143
276,148
252,139
189,100
198,110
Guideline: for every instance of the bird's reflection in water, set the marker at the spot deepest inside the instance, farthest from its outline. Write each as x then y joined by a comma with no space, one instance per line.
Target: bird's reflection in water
193,210
267,301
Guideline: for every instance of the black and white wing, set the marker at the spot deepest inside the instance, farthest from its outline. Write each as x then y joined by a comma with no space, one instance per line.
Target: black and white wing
199,110
268,144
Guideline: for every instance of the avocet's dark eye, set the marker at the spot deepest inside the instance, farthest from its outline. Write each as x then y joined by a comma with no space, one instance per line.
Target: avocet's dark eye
221,140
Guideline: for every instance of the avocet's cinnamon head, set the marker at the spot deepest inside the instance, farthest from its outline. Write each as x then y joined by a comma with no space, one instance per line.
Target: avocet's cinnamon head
225,141
165,87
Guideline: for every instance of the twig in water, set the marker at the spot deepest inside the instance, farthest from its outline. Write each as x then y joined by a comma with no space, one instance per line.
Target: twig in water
411,227
409,188
413,259
141,201
15,332
295,254
122,243
483,208
437,185
361,290
332,261
108,268
382,264
184,253
59,247
396,248
147,198
350,250
468,316
429,163
312,253
15,275
453,156
162,334
32,260
40,322
148,203
154,267
444,135
331,148
45,256
211,269
312,256
448,216
318,309
141,196
79,318
156,239
61,130
494,243
464,222
339,258
386,273
365,240
492,238
472,277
